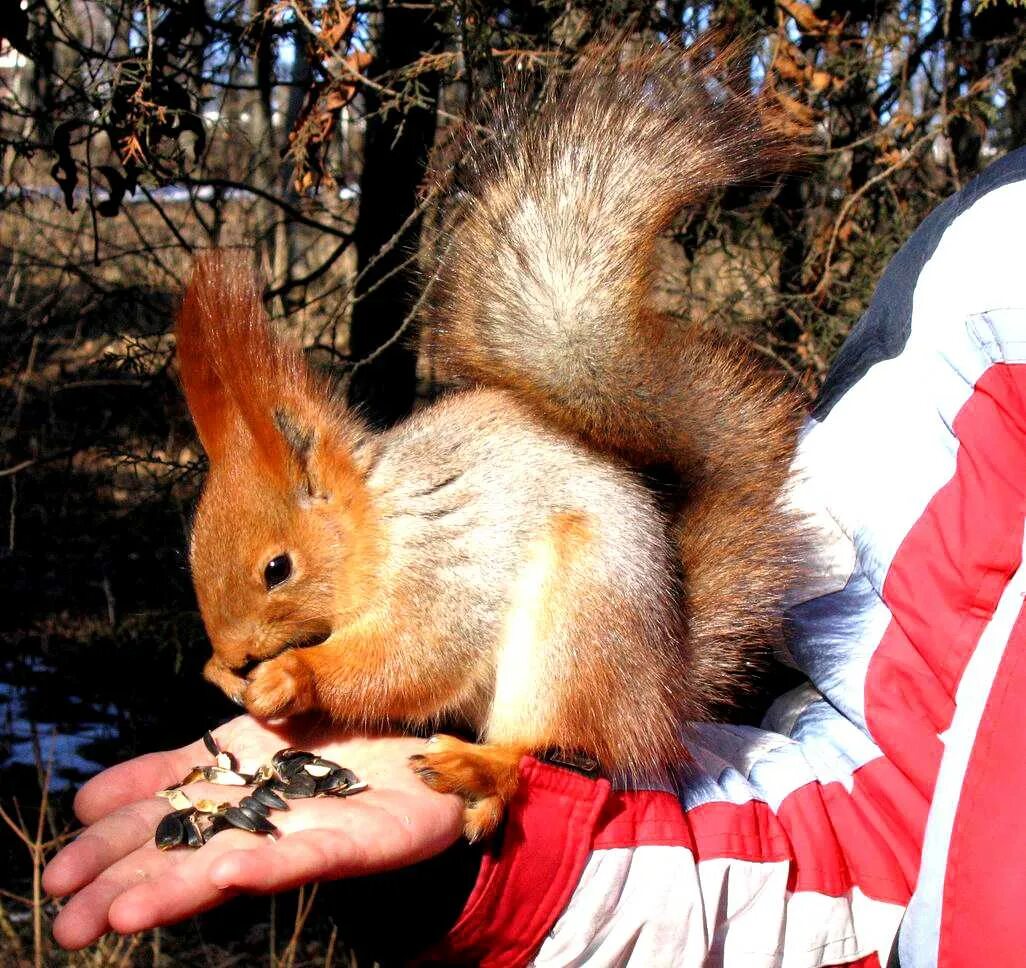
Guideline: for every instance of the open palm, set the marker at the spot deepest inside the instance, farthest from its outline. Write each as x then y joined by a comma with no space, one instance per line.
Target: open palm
124,883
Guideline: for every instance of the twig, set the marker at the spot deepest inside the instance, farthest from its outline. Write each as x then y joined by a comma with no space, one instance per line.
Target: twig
304,905
851,201
166,219
340,70
329,954
12,511
291,211
403,326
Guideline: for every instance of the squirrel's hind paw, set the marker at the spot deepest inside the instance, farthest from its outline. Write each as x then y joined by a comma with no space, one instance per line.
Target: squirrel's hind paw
484,775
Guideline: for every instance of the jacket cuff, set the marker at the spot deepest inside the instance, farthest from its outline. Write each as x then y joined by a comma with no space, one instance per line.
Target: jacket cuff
529,874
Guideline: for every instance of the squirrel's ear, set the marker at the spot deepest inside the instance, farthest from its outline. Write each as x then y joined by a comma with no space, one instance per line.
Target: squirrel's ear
246,388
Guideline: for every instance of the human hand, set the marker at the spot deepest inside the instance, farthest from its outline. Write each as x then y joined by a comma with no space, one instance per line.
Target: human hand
123,882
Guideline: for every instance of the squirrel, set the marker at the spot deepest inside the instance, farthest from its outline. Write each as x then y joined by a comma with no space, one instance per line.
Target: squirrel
497,560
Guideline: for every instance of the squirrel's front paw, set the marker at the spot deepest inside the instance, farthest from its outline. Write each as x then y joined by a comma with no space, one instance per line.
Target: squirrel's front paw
484,775
282,686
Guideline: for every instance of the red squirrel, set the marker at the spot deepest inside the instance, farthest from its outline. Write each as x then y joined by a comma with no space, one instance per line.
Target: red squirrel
497,560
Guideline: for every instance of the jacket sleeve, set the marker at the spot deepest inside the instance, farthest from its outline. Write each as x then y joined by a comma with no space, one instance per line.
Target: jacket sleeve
892,778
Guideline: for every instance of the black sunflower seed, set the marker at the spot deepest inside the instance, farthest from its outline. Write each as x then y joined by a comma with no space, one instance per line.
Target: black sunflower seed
171,830
299,787
252,803
265,795
245,820
336,781
255,815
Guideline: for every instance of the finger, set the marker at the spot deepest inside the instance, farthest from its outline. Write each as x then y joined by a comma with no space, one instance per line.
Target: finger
370,839
180,892
84,918
311,855
102,845
173,885
135,780
118,834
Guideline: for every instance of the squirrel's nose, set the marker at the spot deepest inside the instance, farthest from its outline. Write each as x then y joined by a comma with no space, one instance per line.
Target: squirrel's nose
243,661
244,668
237,654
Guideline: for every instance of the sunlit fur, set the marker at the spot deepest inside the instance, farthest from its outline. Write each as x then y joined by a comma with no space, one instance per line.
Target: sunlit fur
493,560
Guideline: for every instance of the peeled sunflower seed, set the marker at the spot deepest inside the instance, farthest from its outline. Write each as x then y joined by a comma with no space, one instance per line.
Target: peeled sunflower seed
196,773
178,799
226,777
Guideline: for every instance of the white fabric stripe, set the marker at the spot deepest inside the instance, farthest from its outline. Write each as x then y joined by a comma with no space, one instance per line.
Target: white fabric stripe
857,926
654,907
640,906
900,413
920,932
892,413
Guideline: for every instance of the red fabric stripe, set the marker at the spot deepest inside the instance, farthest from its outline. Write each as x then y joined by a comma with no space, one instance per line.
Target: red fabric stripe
522,891
982,912
833,839
640,818
945,581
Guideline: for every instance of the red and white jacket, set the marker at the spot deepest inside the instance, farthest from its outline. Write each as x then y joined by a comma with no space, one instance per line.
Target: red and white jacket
893,780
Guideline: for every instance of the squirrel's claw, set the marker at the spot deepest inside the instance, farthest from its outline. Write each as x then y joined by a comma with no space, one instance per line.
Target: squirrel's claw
485,776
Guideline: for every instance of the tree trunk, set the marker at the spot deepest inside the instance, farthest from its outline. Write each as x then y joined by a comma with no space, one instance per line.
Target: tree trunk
397,142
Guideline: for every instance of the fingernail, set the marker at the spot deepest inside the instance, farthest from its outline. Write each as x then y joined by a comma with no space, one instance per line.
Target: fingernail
222,875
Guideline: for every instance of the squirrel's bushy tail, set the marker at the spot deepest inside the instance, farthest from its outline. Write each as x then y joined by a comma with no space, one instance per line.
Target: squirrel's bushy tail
545,289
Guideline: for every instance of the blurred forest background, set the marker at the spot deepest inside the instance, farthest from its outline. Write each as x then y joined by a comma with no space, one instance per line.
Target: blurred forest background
134,133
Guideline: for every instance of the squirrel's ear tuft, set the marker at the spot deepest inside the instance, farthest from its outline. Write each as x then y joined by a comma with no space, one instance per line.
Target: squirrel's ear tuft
251,394
238,376
200,319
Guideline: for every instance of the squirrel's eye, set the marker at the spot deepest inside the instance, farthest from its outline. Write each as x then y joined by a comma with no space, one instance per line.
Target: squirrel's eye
277,570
